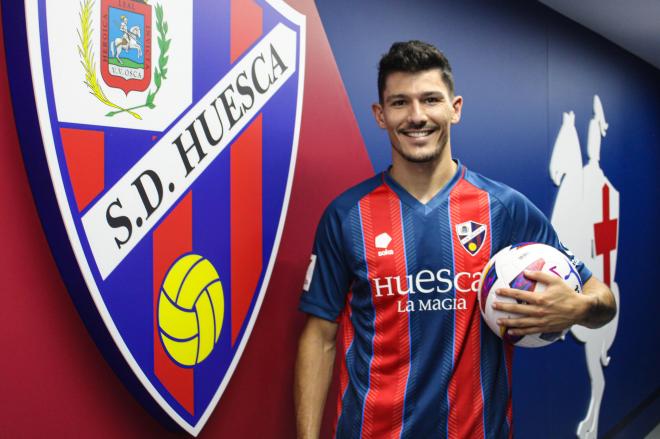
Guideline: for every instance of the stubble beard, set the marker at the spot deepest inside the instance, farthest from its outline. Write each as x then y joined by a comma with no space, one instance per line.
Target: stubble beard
432,156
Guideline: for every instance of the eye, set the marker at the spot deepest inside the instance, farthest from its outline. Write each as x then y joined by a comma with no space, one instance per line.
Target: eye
398,103
432,100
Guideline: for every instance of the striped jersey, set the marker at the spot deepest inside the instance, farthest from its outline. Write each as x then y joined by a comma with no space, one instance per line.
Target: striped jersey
403,276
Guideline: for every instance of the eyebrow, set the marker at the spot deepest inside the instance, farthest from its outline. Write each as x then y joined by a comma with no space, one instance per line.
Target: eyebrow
425,94
395,97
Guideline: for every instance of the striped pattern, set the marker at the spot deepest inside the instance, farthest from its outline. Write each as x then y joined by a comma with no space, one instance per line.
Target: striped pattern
383,406
345,344
174,235
427,372
246,222
246,181
466,403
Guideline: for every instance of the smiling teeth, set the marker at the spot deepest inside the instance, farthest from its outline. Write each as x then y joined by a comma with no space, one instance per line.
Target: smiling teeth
418,133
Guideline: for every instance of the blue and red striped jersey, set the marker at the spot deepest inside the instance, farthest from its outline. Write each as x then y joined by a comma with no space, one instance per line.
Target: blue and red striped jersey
419,360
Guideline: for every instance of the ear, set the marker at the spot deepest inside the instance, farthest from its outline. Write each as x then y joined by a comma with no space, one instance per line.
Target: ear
377,110
457,106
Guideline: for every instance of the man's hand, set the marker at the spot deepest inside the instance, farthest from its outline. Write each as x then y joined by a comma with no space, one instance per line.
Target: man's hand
556,308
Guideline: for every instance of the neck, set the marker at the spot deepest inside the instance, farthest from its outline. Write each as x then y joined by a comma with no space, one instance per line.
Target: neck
423,180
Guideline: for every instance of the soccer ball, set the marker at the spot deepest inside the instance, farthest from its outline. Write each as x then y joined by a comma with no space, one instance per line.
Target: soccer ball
506,270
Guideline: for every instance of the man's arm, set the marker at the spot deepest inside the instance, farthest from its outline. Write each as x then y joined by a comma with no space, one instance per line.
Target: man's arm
558,307
316,356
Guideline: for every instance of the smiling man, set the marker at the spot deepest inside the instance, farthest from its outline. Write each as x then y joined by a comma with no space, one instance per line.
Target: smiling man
399,259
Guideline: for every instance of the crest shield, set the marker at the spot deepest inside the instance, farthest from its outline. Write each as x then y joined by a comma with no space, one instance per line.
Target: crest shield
126,44
168,192
471,235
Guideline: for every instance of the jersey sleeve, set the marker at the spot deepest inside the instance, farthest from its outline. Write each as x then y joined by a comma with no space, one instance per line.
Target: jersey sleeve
328,277
531,225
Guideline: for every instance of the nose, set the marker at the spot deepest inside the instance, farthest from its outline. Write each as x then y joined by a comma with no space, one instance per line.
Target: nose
416,116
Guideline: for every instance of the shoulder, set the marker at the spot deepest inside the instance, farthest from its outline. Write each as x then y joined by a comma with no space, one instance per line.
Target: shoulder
499,192
522,220
348,200
334,232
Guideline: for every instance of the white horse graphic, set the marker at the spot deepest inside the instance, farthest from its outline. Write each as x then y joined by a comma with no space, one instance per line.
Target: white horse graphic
584,198
126,43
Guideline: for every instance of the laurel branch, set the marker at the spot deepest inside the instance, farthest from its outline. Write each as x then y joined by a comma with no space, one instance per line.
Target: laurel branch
160,72
86,52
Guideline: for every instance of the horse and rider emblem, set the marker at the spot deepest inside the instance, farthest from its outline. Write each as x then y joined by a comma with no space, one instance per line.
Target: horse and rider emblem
126,44
125,54
586,216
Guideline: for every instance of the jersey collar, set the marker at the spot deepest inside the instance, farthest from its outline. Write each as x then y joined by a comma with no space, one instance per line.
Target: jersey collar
434,202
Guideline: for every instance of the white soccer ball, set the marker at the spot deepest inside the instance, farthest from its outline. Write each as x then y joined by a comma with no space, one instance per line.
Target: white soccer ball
506,270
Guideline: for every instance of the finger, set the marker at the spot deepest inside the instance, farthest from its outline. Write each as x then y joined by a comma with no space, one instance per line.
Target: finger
525,331
521,309
542,276
522,295
519,322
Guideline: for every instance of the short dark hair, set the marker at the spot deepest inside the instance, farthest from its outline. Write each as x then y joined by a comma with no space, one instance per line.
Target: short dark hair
412,57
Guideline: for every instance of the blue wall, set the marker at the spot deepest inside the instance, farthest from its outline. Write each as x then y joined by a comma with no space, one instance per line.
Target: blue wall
518,66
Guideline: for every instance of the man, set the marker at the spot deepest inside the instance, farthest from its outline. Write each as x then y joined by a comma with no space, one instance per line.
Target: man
123,27
419,361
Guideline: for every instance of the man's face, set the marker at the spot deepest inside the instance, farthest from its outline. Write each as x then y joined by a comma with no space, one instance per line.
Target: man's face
417,112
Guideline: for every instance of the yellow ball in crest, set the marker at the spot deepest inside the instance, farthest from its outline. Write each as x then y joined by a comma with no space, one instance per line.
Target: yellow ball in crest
191,308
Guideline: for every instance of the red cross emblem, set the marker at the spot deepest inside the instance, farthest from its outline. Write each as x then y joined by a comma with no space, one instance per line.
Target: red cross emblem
605,235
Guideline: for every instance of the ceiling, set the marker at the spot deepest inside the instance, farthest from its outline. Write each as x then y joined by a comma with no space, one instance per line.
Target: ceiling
631,24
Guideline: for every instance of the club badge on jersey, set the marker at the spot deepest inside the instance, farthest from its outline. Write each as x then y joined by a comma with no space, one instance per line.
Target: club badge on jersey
471,235
169,133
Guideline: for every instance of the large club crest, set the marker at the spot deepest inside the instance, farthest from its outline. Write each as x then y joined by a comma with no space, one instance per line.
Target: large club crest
171,143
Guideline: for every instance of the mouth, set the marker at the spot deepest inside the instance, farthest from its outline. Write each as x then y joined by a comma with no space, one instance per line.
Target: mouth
418,133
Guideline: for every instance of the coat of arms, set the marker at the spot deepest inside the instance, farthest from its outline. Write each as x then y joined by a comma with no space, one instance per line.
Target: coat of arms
126,44
124,52
171,144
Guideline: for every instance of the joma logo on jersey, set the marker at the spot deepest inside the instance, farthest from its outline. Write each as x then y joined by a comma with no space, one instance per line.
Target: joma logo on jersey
171,144
427,282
